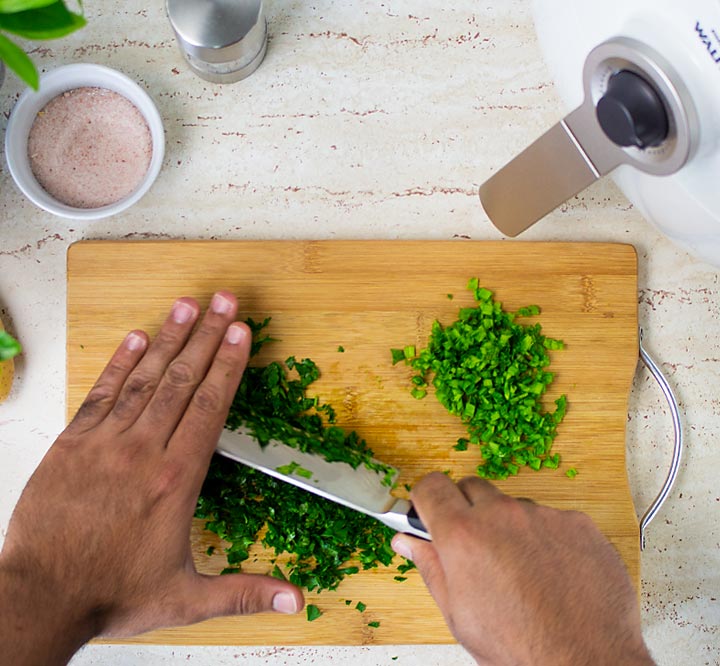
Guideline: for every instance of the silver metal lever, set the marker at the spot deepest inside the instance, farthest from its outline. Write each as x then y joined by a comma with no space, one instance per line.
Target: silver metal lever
678,442
577,151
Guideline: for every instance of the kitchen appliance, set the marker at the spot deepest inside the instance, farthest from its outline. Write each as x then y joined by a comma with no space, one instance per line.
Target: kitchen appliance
642,77
361,489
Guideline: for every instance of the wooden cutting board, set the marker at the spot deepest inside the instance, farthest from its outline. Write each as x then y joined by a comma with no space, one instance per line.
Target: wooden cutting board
369,297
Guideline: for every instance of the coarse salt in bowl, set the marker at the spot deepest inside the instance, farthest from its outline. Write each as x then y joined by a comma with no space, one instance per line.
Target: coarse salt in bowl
52,85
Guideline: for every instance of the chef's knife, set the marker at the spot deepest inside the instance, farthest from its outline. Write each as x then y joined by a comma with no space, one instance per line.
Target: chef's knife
361,489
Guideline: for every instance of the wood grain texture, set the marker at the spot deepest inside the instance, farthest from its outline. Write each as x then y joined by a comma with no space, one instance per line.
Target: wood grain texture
369,296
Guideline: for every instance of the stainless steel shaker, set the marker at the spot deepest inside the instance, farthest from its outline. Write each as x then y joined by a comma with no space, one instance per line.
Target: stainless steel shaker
223,41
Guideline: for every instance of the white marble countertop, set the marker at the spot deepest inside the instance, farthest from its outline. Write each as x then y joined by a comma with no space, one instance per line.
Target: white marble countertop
372,120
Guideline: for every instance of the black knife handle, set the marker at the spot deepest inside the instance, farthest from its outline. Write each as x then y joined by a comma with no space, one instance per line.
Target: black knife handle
415,521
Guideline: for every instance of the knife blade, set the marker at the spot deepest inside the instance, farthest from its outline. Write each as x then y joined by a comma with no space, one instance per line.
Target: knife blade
361,489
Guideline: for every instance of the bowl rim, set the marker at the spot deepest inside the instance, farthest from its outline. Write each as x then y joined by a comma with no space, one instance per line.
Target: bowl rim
53,83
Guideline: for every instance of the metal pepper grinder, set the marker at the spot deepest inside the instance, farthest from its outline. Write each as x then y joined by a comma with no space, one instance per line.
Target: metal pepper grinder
223,41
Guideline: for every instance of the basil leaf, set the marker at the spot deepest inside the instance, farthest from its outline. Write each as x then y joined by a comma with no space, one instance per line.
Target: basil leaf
49,22
12,6
313,612
18,61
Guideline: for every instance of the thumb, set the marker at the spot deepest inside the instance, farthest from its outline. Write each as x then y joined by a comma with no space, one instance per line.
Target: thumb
243,594
425,557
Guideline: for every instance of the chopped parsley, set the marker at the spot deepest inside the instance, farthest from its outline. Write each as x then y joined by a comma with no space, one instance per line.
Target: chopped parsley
294,468
277,573
313,612
360,606
404,568
242,506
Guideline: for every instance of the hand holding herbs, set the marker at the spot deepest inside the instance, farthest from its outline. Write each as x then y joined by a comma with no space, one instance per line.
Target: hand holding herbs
99,543
520,583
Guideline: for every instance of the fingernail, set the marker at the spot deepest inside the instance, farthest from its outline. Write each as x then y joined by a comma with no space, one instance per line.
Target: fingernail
402,547
133,341
182,312
220,304
284,602
235,334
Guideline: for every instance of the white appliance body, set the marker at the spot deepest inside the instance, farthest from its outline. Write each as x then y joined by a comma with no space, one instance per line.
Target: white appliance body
686,205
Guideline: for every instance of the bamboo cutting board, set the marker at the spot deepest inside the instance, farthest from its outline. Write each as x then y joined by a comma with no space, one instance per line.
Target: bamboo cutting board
368,297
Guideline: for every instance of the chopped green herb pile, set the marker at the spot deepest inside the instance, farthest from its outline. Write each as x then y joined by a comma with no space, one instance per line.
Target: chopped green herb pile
490,371
326,541
313,612
274,406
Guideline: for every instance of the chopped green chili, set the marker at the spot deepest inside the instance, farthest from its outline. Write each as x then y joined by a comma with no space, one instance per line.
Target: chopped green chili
491,371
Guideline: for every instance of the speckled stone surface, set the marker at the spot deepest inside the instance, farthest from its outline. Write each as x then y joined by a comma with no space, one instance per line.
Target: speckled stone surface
373,120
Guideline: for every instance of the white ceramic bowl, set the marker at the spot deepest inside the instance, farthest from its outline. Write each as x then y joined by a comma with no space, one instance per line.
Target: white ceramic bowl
52,84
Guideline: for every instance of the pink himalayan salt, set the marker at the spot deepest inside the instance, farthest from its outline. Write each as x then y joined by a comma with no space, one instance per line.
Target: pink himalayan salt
89,147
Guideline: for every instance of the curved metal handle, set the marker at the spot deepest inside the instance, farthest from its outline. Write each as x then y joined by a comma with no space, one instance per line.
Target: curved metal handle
678,446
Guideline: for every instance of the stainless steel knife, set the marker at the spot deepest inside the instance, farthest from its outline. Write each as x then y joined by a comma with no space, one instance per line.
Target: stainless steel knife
360,489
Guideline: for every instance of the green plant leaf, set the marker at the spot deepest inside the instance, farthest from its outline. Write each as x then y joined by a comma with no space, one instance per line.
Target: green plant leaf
9,346
12,6
18,61
50,22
